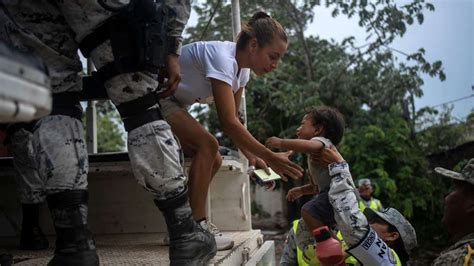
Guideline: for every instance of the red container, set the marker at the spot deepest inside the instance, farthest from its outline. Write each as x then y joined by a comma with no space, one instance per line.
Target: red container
328,250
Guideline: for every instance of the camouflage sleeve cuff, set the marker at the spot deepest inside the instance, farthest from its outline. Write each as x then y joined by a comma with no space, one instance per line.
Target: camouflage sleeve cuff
178,15
338,168
174,45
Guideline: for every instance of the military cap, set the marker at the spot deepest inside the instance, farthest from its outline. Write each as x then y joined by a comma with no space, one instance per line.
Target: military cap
466,174
397,220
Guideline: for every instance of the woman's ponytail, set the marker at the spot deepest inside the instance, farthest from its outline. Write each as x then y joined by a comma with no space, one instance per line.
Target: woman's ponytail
262,27
256,16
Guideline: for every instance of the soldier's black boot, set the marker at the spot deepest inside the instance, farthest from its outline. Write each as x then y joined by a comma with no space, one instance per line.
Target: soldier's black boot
74,243
32,238
189,244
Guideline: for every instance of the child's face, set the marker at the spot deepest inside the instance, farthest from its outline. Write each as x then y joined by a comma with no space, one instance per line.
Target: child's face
306,130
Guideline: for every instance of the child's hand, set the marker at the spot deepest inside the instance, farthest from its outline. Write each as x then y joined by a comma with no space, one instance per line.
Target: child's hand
294,193
273,142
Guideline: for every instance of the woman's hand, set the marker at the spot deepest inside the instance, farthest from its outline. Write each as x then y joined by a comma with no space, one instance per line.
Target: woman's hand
259,163
294,194
280,163
273,142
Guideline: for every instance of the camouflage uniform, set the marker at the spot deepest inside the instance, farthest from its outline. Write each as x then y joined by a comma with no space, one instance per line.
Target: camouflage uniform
294,255
42,168
466,174
53,31
51,155
364,243
55,149
462,252
289,256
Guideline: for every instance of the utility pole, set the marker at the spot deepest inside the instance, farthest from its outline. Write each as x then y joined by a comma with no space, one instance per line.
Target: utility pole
91,118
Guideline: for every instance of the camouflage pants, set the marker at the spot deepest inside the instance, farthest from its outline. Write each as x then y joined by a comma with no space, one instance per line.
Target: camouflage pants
52,31
43,168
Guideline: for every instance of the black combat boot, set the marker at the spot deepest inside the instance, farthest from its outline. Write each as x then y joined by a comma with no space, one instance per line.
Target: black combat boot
189,243
32,238
74,243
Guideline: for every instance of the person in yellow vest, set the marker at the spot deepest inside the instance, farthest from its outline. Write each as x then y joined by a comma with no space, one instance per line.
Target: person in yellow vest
294,255
366,198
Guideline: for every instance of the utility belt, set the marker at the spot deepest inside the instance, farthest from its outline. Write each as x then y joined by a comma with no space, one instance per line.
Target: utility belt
67,103
140,111
134,113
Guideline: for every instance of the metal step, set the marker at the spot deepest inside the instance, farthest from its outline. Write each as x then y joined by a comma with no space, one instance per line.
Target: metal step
145,249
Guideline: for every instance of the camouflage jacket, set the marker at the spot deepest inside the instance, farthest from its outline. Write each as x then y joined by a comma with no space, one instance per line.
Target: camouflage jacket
461,253
178,17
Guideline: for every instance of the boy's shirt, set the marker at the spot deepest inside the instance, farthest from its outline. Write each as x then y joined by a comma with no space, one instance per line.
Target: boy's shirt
320,173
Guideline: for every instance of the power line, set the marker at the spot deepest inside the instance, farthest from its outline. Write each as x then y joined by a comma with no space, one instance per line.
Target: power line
203,34
453,101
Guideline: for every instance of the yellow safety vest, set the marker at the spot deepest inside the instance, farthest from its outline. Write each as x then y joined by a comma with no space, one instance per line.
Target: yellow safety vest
375,204
349,259
399,263
299,253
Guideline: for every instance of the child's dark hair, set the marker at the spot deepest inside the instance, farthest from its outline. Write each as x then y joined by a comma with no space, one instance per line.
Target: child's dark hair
263,27
331,120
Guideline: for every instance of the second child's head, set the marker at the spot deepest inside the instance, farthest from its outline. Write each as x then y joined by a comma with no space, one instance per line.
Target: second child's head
264,40
322,121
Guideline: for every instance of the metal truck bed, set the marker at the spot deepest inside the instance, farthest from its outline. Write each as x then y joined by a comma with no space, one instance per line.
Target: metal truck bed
127,226
147,249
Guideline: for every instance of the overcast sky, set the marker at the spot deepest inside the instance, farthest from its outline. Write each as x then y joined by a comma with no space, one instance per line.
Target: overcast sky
447,34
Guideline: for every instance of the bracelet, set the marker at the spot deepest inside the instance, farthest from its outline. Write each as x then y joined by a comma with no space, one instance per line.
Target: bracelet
251,169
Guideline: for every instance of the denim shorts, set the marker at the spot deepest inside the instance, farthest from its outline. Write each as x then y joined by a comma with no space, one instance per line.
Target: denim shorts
171,105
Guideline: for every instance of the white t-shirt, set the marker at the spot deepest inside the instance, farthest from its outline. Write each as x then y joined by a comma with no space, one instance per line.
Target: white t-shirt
201,61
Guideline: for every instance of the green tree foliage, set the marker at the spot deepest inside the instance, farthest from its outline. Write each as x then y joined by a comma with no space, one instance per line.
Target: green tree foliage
440,131
382,149
315,71
110,135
